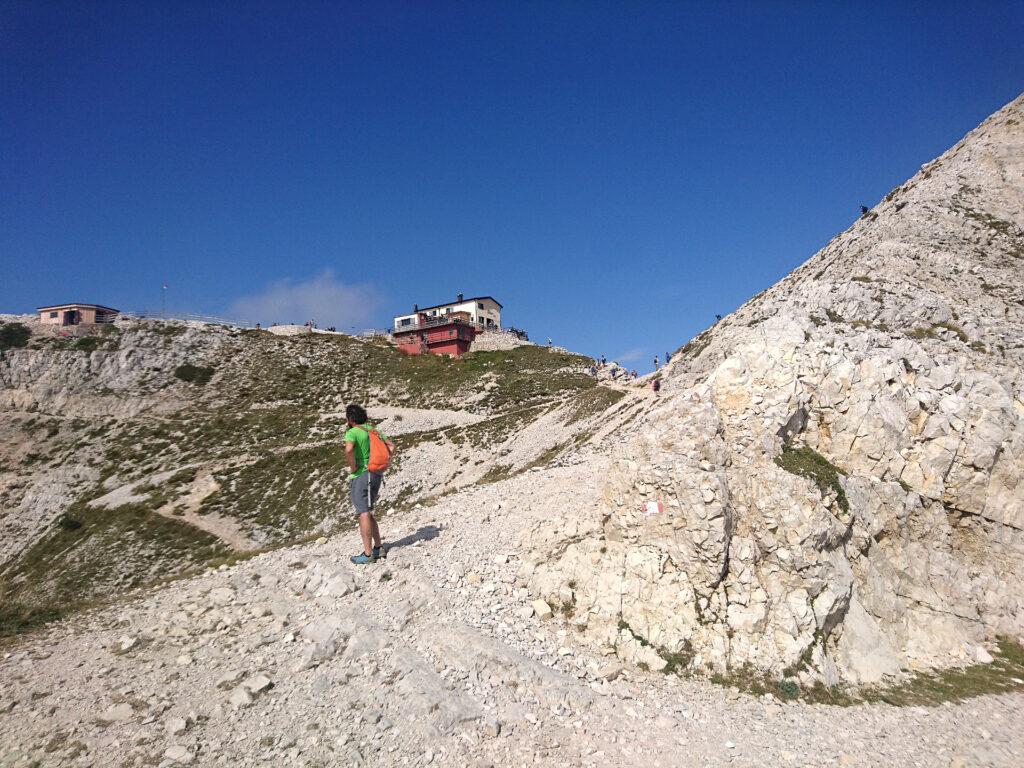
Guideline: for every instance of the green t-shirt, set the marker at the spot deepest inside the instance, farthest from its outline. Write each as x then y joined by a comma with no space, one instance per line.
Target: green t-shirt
360,439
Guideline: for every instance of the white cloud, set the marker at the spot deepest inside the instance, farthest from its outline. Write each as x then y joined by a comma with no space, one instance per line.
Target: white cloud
323,298
630,355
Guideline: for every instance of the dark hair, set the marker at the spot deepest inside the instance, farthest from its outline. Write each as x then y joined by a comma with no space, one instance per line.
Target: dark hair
356,413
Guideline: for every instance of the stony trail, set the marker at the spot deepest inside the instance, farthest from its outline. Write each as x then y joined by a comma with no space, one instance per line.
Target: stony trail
434,656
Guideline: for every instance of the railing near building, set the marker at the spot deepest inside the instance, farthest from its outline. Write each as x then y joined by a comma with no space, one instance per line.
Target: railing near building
144,314
432,322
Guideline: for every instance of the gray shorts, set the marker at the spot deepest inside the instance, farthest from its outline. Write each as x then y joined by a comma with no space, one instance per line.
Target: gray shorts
364,490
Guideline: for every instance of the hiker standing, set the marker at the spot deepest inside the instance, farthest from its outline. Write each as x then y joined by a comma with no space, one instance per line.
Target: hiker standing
656,362
368,453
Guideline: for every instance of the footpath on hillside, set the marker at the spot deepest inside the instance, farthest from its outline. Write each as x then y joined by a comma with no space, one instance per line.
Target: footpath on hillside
436,656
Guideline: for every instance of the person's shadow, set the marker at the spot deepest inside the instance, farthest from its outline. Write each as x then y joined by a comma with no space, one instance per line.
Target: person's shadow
426,533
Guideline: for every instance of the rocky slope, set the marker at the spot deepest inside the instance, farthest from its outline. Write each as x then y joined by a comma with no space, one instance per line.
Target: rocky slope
145,449
832,485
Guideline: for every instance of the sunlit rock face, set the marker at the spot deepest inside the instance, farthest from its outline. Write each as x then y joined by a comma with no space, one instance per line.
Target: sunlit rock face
832,485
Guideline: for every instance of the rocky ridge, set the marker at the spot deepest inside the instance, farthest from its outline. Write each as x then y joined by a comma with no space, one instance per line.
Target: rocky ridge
831,486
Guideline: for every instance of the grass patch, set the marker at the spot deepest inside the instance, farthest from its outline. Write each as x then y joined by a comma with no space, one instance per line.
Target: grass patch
956,330
14,336
807,462
677,662
108,551
834,316
87,343
929,689
750,681
194,374
284,496
598,400
18,618
932,331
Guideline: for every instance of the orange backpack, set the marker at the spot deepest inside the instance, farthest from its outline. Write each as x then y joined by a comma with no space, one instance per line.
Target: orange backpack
380,456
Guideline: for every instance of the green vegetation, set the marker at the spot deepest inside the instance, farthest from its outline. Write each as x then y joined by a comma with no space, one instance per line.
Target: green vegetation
13,335
677,662
88,343
955,329
807,462
929,689
17,618
596,401
1001,226
834,316
926,689
195,374
102,552
284,495
931,332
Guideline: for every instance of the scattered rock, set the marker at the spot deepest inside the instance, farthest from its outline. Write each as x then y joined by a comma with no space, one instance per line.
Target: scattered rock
118,713
176,726
541,609
179,754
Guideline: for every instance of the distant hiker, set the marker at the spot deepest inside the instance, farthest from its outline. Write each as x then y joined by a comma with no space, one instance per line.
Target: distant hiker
656,386
668,356
656,366
257,326
368,453
634,374
603,361
549,341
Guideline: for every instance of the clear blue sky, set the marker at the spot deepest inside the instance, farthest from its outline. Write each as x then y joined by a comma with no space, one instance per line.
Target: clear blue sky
614,173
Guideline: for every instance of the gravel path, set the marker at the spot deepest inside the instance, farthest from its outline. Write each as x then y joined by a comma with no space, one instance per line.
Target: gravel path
434,657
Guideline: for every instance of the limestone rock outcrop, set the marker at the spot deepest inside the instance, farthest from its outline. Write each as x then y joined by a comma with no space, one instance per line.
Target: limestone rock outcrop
833,484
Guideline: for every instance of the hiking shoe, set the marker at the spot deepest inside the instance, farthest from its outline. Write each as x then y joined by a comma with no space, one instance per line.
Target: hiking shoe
380,553
363,559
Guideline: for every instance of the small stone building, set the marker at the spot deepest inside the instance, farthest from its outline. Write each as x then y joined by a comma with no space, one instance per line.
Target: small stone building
75,314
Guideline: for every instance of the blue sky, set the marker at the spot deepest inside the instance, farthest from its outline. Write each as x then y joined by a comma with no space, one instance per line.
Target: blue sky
614,173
